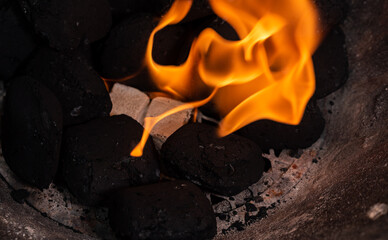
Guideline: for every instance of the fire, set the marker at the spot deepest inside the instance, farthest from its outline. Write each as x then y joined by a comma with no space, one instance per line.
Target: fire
267,74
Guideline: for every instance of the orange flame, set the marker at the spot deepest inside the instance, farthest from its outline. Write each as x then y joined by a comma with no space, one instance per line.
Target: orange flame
268,74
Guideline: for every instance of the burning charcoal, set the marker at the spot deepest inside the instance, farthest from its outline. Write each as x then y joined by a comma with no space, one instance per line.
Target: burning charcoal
16,41
173,43
223,165
125,48
32,131
123,8
169,210
269,134
193,29
168,44
330,64
65,24
96,158
167,125
79,89
129,101
331,13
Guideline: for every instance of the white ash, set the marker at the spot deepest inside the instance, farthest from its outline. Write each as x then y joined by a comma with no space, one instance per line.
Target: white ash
276,187
129,101
170,124
377,210
136,104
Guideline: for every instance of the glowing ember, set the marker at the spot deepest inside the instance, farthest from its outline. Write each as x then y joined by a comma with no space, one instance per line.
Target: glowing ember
268,74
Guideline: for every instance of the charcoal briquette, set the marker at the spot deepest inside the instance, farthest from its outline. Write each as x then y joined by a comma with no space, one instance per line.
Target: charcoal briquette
194,29
172,44
169,210
124,8
278,136
331,13
32,131
330,64
80,90
17,40
225,165
65,24
96,158
124,50
168,44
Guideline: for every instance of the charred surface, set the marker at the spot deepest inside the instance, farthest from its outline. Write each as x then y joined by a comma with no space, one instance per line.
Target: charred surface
169,210
17,40
80,90
124,50
223,165
96,158
330,64
32,131
273,135
65,24
331,13
124,8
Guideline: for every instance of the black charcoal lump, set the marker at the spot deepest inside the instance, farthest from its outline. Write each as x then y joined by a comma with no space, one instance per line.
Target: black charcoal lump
330,64
157,8
125,8
194,29
80,90
169,210
278,136
173,43
225,165
65,24
168,44
16,39
331,13
96,158
124,50
32,131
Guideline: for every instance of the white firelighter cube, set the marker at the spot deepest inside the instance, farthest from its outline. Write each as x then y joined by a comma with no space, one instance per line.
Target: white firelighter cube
129,101
170,124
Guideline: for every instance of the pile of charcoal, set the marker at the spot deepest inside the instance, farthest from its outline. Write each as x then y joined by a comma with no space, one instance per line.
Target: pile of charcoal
58,125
